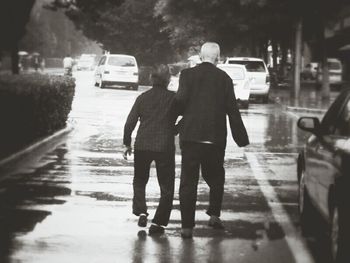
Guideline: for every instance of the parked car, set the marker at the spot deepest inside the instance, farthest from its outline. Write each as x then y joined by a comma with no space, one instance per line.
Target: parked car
323,175
335,70
174,82
241,82
86,62
117,69
310,71
258,73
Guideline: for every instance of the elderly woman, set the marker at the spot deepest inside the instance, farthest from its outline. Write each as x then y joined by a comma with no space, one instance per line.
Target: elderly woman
154,142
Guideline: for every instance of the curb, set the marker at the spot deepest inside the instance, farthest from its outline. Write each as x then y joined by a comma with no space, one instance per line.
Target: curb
298,109
35,145
306,110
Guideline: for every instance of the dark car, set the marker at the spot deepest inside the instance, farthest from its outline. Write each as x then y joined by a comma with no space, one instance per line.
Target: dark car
323,175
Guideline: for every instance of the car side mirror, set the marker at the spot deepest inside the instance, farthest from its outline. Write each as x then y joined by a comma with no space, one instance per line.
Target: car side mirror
310,124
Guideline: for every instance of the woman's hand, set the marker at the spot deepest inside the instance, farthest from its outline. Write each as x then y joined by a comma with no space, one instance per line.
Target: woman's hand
128,151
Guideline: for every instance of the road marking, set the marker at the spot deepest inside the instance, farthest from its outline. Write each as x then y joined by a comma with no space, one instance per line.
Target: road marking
292,114
295,242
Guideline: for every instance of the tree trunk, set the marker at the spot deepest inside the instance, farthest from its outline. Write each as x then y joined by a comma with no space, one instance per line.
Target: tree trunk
284,58
325,87
274,54
15,59
264,51
297,57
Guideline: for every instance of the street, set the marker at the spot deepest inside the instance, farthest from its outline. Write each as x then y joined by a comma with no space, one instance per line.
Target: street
74,205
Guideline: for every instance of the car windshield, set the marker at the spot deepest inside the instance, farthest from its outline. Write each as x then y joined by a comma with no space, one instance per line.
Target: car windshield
251,66
121,61
333,65
86,60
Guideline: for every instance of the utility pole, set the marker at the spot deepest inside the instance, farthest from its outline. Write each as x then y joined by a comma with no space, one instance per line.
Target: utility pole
297,56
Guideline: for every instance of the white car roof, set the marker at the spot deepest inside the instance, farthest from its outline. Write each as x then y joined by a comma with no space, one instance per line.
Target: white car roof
333,60
231,66
244,59
119,55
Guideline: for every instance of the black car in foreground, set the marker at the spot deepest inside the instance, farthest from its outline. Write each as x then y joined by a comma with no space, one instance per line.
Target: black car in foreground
324,175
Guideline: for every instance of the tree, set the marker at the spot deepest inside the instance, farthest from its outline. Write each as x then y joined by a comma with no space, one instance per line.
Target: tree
52,34
122,27
318,15
14,15
238,25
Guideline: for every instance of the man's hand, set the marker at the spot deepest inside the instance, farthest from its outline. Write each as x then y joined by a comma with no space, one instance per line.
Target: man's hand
128,151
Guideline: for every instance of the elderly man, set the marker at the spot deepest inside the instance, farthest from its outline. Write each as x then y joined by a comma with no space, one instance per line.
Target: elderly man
204,98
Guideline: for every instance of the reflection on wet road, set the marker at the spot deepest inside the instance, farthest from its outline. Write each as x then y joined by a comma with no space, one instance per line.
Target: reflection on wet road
76,205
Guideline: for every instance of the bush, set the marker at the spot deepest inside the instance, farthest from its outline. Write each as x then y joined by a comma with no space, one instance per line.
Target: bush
32,106
53,62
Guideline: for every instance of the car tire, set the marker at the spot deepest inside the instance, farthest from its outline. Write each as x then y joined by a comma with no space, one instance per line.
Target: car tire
334,235
340,232
306,209
101,84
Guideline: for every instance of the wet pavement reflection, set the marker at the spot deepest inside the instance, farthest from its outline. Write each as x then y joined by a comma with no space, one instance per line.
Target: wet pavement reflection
75,206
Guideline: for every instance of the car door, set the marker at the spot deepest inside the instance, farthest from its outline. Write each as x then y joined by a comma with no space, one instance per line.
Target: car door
319,157
331,158
99,68
312,166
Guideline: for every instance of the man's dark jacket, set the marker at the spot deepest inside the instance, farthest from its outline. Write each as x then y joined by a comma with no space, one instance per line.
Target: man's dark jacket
204,98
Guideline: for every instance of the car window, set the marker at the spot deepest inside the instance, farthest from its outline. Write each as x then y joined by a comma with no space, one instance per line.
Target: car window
121,61
251,66
343,124
102,61
334,65
332,119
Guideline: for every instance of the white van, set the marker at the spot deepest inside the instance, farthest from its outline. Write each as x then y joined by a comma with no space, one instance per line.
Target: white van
335,71
258,74
117,69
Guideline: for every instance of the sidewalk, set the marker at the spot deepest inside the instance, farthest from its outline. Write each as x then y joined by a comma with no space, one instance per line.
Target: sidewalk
309,101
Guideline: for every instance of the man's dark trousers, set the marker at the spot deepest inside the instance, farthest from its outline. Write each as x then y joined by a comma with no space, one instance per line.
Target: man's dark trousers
165,166
210,158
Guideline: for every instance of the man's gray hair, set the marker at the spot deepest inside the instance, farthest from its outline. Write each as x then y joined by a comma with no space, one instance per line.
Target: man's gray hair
210,52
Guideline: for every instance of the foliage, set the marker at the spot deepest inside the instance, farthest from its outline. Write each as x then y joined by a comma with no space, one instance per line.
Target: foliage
122,26
32,106
235,24
14,15
52,34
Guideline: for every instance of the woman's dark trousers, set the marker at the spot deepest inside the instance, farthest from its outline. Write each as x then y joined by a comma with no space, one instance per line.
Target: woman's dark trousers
165,167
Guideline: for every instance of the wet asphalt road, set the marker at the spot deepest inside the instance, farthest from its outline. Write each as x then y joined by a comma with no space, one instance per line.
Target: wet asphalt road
74,204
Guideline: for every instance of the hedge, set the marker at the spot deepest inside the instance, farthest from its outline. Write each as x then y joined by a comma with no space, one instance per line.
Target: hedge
32,106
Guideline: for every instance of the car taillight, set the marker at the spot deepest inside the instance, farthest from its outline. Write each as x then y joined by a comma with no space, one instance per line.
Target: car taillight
267,79
106,72
136,73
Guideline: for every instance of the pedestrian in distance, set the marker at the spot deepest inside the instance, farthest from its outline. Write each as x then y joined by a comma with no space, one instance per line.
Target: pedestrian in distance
68,65
154,142
204,98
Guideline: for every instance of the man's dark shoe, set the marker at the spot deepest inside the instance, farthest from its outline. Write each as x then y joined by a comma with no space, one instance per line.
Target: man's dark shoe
155,230
142,220
186,233
215,222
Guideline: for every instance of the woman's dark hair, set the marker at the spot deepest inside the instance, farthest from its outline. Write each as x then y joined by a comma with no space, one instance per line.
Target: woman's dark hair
160,76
